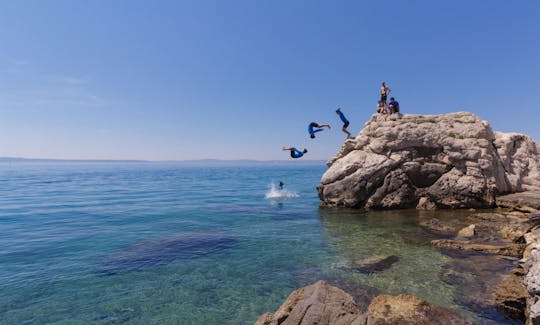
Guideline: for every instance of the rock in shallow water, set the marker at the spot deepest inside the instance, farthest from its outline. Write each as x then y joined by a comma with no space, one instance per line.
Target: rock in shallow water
372,264
323,304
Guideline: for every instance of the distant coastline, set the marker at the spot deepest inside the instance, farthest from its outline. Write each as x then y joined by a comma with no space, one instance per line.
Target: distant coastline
182,162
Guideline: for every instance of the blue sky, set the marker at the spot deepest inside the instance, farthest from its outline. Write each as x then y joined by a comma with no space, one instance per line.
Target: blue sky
164,80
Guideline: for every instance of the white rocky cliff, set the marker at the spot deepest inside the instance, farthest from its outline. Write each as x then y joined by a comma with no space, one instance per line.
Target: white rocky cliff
429,161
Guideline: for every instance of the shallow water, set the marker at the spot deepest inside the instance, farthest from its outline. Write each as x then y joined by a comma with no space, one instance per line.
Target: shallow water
165,243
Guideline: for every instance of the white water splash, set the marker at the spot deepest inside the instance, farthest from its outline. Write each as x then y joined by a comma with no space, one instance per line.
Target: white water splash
277,194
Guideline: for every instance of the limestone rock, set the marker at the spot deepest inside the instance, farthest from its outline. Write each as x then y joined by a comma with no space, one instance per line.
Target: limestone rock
511,295
323,304
408,309
319,303
429,161
506,249
467,232
525,201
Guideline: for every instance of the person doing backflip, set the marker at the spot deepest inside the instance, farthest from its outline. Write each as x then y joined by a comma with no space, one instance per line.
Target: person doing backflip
313,125
295,153
345,123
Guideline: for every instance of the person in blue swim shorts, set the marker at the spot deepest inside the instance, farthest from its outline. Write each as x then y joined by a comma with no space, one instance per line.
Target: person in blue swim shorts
311,128
295,153
345,123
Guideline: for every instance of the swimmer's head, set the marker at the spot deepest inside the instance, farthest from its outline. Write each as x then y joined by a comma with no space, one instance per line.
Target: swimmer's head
338,110
312,135
305,150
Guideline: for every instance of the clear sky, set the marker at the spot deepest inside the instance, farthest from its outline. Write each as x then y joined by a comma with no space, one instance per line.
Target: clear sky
164,80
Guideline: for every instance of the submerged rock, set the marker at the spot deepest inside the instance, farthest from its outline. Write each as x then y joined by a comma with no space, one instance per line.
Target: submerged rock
511,296
506,249
430,161
372,264
408,309
163,251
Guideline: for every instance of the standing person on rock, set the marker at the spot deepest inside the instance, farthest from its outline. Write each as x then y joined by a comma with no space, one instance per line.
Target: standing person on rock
345,123
295,153
385,90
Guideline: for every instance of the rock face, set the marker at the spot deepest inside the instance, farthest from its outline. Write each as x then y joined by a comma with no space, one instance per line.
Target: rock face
532,282
440,161
319,303
323,304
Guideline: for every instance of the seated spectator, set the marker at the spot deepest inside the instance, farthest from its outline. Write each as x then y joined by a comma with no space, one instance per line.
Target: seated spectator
393,105
381,109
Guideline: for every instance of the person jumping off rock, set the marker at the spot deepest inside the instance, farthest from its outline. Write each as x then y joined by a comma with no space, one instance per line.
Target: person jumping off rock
313,125
345,123
295,153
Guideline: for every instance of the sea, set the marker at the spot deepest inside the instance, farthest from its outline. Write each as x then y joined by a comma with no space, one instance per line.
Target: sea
207,243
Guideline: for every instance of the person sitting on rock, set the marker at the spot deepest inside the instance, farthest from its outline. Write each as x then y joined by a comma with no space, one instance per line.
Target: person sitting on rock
381,109
393,105
345,123
295,153
312,125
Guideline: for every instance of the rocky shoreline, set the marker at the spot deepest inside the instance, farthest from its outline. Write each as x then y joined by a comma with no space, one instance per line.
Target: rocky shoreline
506,231
447,161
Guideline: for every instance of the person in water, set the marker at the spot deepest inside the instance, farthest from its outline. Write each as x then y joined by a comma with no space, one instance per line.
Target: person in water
295,153
345,122
313,125
385,90
393,105
280,185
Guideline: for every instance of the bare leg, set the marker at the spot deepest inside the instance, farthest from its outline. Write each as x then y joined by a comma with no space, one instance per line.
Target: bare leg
344,129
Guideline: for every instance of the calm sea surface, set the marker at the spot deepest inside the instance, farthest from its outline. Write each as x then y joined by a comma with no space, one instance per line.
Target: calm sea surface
173,244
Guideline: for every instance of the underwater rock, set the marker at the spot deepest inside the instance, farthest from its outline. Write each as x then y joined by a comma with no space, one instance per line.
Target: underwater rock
372,264
409,309
429,161
511,296
163,251
507,249
434,225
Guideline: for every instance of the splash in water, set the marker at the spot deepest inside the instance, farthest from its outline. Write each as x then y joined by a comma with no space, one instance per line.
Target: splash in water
277,194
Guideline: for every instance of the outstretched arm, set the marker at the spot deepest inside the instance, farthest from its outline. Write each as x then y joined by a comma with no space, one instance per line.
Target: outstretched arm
287,149
325,125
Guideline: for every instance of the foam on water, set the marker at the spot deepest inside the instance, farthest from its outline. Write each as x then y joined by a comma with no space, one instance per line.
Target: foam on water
277,194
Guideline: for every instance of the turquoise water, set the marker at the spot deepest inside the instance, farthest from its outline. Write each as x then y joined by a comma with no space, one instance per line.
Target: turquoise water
176,244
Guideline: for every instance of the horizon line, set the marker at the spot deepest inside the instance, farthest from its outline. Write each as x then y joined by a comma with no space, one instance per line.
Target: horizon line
20,159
